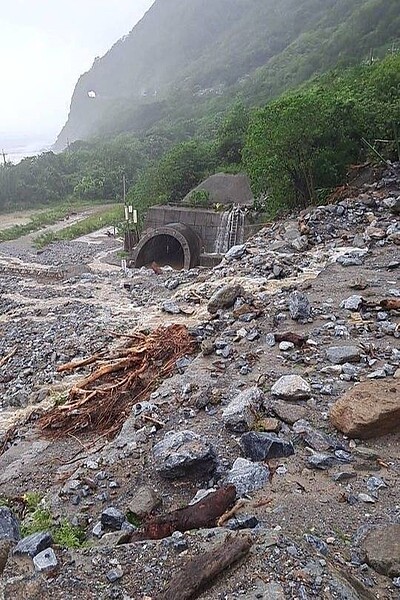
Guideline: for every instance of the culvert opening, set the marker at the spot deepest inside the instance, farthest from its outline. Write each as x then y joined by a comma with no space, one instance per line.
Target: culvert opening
164,250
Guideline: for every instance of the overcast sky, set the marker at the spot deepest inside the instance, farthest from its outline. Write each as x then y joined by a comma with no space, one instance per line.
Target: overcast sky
45,45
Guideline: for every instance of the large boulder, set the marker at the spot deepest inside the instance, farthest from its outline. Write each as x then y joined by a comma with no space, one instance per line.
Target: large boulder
382,550
368,410
184,454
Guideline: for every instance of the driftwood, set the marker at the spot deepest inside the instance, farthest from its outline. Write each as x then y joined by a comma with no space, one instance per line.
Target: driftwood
202,514
101,401
201,571
294,338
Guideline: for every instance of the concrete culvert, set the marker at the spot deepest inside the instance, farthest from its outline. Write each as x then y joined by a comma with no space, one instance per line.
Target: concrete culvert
175,244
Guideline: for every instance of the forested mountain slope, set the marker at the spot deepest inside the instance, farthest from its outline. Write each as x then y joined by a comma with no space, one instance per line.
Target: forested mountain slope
186,58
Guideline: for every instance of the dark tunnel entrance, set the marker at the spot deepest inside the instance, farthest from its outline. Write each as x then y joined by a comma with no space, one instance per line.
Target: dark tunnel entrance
163,250
175,244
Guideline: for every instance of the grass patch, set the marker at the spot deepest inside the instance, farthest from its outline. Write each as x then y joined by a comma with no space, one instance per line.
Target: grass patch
39,518
107,218
37,222
68,535
45,217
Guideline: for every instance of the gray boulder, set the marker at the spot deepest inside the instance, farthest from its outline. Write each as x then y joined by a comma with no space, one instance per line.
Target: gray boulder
45,561
291,387
259,446
184,454
247,476
144,501
112,517
33,544
299,306
338,355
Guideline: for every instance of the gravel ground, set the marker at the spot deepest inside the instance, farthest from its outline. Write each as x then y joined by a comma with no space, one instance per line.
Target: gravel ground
322,276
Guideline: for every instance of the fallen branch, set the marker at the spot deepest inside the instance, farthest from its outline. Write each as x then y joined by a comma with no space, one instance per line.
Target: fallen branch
203,570
102,401
232,512
202,514
80,363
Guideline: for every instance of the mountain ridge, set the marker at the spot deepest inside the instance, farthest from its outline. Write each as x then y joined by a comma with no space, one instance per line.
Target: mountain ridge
183,55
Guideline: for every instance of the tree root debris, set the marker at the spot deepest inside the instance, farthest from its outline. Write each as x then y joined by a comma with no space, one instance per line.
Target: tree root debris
102,401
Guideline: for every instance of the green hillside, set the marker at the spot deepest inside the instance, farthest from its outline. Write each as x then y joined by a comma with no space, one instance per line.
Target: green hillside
187,59
286,92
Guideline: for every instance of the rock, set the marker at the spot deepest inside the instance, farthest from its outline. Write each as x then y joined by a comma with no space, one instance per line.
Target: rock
375,233
368,410
242,522
366,498
9,525
240,414
395,209
183,363
115,574
352,303
235,252
224,298
184,454
382,550
144,501
375,483
338,355
300,244
264,446
115,538
291,387
171,307
247,476
319,545
289,413
344,476
269,424
45,561
33,544
112,517
5,546
201,494
286,346
299,306
359,283
207,347
98,530
321,461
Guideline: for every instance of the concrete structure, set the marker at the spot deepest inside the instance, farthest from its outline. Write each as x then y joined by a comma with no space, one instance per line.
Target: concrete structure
184,236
